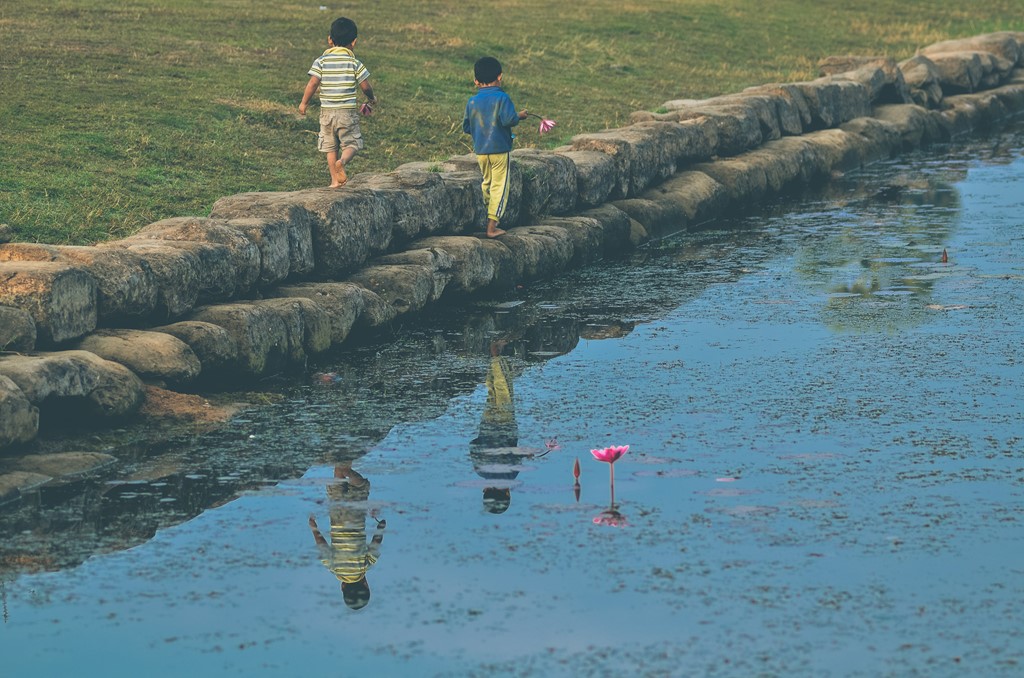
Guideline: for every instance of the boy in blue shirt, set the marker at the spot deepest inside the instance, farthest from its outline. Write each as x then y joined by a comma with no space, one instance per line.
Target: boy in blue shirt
490,117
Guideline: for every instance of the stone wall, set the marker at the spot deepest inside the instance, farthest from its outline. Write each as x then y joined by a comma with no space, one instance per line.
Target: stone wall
269,279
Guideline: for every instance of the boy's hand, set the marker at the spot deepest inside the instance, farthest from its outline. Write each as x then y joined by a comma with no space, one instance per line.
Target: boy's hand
302,108
523,113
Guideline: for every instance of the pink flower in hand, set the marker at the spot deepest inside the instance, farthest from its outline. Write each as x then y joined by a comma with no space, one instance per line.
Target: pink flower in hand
546,125
610,454
366,109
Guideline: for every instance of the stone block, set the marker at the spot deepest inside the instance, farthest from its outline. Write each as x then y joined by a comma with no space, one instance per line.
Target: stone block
284,208
541,251
19,419
595,176
177,273
406,287
615,226
417,201
742,178
107,389
1004,44
126,288
270,333
215,348
958,72
469,268
17,329
343,302
922,78
155,357
242,268
61,298
271,238
549,183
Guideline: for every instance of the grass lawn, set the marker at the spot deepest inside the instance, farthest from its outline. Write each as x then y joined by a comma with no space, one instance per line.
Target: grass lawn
116,114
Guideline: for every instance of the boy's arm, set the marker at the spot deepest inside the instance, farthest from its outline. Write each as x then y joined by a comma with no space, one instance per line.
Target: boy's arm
311,86
368,91
507,113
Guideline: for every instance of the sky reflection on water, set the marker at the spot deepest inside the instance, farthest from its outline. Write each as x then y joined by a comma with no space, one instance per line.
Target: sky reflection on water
824,475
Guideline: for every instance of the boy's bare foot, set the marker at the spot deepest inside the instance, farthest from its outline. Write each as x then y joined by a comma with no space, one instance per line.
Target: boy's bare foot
495,233
339,170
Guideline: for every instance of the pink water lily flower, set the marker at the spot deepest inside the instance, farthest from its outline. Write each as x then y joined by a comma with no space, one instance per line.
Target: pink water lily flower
610,454
546,125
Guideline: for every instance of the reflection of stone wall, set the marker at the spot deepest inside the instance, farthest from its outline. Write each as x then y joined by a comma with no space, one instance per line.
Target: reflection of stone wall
271,278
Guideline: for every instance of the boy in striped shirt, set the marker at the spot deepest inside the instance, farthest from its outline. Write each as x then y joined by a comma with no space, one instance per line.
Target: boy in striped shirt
337,73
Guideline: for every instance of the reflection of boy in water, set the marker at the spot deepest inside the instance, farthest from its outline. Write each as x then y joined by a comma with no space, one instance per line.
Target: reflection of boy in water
348,555
494,452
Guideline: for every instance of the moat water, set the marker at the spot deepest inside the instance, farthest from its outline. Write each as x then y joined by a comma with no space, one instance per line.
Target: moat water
825,472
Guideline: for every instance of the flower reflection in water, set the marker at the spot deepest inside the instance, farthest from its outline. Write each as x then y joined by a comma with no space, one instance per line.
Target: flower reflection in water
610,517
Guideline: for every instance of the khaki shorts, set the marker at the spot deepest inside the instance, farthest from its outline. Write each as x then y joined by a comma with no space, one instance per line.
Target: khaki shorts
339,127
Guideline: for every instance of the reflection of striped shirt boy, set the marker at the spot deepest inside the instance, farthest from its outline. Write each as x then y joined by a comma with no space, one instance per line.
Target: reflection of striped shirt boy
349,556
340,73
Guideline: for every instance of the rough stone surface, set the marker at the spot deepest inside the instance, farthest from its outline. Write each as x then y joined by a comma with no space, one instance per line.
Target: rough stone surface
463,257
125,286
697,196
278,207
595,176
17,329
880,140
541,251
215,348
177,273
271,333
343,302
742,178
440,262
736,124
1004,44
377,313
922,78
405,287
615,227
881,75
958,72
153,356
646,152
243,253
60,298
549,183
271,237
109,389
59,466
656,215
19,419
586,234
418,201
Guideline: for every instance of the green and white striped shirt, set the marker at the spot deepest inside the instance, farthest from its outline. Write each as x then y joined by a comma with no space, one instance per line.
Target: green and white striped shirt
340,73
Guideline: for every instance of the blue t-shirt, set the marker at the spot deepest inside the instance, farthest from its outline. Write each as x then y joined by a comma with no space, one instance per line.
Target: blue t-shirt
490,117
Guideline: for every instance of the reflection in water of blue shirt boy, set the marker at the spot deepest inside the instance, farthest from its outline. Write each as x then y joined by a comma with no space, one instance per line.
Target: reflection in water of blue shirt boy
348,555
495,452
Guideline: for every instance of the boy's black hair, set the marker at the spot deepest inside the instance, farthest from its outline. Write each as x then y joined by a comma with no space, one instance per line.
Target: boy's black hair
343,32
356,594
497,500
486,70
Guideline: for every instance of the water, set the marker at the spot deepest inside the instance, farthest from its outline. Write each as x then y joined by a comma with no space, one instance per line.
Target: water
825,472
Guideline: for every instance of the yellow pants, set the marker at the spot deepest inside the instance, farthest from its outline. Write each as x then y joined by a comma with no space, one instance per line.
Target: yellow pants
494,167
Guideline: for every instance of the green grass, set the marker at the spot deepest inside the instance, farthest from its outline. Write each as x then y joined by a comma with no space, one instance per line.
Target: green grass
114,115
